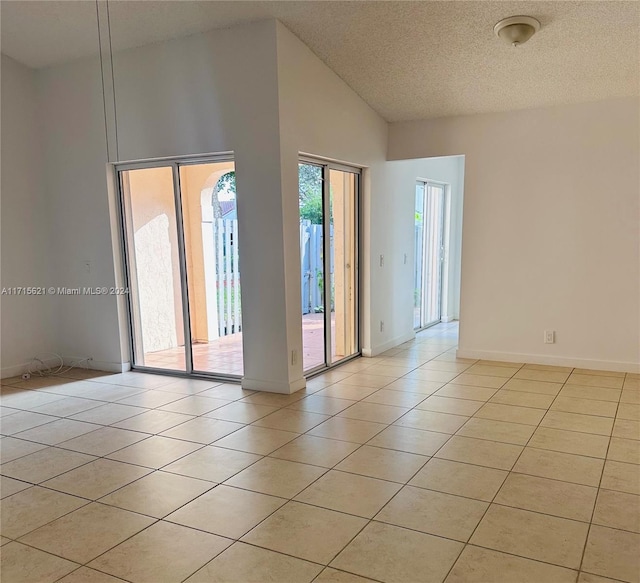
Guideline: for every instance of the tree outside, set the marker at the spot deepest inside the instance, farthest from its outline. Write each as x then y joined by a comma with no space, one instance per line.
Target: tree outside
309,193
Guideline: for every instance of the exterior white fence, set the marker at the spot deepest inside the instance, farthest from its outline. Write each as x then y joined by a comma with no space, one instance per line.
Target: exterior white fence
222,277
222,273
312,268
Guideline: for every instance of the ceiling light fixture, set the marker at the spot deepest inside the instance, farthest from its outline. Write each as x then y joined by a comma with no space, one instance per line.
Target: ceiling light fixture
516,30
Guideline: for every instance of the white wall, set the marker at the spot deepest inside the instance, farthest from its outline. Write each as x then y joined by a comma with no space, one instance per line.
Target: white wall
74,145
256,90
531,260
550,235
320,115
27,327
206,93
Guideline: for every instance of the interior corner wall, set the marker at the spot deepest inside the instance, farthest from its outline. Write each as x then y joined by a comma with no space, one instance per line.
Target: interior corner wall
322,116
255,90
27,328
550,235
207,93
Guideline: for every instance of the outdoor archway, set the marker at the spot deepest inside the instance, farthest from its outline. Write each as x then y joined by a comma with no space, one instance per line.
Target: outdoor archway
212,212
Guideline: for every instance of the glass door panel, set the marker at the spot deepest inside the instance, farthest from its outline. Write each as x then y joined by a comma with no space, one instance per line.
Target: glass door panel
419,256
342,291
433,254
328,198
209,212
310,196
153,256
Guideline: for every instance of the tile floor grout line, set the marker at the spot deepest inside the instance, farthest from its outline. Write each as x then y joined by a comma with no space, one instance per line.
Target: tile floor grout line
531,425
467,542
57,445
56,475
389,501
87,502
511,554
323,565
86,564
287,501
69,417
510,471
84,567
97,458
601,576
505,470
313,482
595,502
186,503
31,546
117,401
39,484
332,469
111,452
80,565
282,407
343,571
163,518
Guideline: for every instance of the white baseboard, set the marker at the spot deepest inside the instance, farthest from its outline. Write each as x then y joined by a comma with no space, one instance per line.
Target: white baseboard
611,365
273,387
376,350
104,365
15,370
18,369
110,366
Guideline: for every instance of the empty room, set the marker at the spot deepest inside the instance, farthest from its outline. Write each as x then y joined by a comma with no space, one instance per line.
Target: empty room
320,291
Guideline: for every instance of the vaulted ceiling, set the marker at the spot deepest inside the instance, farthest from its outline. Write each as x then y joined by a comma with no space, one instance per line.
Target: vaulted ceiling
407,59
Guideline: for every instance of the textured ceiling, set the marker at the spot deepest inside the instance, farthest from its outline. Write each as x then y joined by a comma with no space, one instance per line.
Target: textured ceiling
407,59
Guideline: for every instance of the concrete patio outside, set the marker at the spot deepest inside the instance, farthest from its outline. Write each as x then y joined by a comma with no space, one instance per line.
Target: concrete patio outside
224,355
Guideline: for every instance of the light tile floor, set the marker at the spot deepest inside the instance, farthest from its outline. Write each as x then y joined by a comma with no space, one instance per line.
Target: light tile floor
414,466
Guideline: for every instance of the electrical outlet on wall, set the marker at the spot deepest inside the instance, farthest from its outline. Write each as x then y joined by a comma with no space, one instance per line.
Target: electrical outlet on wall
549,337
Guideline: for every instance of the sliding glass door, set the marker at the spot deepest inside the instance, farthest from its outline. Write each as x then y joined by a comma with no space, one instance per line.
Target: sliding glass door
429,253
341,296
328,196
181,242
155,277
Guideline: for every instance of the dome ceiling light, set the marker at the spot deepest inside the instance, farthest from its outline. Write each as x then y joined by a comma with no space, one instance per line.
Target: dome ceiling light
516,30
